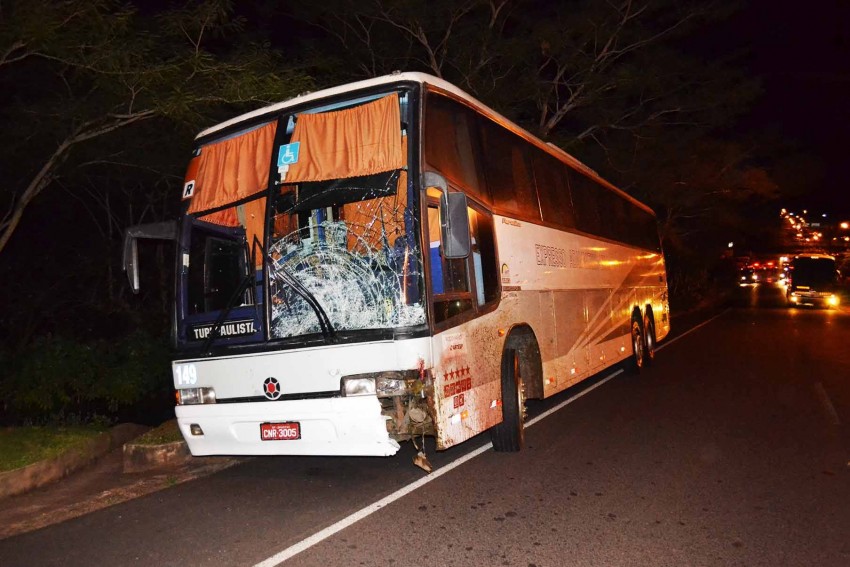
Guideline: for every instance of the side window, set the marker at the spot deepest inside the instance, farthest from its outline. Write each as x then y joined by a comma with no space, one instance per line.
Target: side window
484,263
556,205
217,267
583,192
451,143
612,215
645,229
450,289
508,168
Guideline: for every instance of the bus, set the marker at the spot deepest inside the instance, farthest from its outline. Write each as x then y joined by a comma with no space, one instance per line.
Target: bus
813,280
389,260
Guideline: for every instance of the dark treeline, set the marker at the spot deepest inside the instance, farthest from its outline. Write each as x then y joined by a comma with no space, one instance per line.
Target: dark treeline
101,99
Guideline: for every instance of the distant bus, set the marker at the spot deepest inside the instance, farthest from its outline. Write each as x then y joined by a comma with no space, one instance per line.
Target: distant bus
813,280
392,259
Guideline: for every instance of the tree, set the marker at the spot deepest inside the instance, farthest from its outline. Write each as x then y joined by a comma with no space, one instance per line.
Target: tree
706,192
700,188
620,84
572,72
76,72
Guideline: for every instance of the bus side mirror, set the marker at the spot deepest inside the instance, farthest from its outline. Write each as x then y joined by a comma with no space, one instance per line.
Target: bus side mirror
454,219
159,231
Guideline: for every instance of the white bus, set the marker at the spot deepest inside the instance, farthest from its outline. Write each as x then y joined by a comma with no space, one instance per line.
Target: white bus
392,259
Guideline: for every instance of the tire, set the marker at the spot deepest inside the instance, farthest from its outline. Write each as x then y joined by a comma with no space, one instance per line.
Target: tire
638,360
649,339
509,436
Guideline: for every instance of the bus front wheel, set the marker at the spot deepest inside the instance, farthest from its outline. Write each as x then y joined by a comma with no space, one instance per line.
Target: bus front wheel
509,436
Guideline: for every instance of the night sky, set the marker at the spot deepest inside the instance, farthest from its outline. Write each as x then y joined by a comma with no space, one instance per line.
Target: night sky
802,52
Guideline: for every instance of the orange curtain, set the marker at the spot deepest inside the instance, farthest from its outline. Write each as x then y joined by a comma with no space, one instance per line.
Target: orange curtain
347,143
231,170
366,218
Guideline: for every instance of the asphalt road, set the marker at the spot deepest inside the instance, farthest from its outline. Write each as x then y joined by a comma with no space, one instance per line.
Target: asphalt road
732,450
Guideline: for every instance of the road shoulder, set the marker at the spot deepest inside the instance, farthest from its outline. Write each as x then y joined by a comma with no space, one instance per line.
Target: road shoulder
99,480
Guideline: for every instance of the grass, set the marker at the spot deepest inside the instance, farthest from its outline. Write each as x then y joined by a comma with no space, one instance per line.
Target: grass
168,432
22,446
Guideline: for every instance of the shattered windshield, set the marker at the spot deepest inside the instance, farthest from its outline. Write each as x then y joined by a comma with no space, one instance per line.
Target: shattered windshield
344,252
344,255
343,249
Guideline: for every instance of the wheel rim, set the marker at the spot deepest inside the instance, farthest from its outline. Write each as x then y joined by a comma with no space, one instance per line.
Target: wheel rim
520,394
649,339
637,345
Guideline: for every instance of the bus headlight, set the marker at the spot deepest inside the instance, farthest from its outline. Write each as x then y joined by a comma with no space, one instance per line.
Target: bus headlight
357,386
382,384
390,386
832,300
193,396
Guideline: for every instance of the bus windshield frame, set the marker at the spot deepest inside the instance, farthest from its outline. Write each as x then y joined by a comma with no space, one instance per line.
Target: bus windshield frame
336,260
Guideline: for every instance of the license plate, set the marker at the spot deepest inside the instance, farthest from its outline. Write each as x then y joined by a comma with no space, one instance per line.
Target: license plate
288,431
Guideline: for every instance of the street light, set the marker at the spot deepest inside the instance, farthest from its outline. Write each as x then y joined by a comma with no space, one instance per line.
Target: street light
845,225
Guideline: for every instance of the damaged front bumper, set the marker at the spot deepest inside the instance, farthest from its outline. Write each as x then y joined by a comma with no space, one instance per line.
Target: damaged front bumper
328,426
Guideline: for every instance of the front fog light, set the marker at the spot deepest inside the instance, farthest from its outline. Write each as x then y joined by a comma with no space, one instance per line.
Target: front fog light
355,386
192,396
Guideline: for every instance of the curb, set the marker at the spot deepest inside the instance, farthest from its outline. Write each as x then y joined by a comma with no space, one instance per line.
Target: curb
140,458
45,472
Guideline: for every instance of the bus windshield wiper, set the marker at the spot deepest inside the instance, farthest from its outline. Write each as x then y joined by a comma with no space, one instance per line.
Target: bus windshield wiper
282,274
231,303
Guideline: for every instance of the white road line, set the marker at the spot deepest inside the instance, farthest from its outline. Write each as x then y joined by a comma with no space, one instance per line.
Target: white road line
689,331
309,542
827,404
317,537
550,411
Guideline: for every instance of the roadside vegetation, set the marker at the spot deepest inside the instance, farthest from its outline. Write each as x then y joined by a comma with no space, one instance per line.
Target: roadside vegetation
167,432
22,446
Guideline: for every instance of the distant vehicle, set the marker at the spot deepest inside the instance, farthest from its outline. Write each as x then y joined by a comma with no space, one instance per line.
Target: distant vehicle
748,276
813,280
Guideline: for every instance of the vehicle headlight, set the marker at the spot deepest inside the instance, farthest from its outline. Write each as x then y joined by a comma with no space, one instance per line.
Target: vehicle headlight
192,396
833,300
390,386
382,384
357,386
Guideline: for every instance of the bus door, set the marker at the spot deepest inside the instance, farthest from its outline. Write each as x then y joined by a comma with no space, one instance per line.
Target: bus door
220,284
466,345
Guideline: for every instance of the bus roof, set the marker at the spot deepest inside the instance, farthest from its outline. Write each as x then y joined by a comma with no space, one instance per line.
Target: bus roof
435,83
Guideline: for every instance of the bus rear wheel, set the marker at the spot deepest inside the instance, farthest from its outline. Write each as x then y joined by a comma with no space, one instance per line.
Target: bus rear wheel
649,338
638,361
509,436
